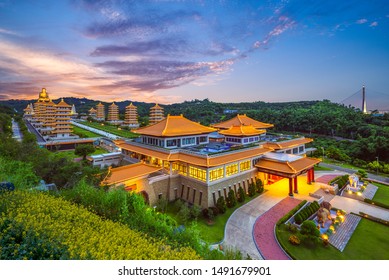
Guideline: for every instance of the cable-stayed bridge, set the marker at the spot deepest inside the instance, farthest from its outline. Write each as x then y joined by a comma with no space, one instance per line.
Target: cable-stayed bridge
374,100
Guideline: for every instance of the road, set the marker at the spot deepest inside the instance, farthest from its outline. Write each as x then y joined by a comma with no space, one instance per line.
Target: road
39,137
349,170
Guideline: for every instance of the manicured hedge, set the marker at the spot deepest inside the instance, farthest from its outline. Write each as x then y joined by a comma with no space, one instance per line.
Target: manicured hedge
374,219
376,203
291,213
307,212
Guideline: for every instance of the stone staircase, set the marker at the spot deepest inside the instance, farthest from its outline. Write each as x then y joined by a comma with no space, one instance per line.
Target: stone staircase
344,232
370,191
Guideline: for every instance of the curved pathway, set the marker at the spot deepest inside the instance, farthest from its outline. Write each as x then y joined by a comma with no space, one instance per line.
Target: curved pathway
264,230
238,233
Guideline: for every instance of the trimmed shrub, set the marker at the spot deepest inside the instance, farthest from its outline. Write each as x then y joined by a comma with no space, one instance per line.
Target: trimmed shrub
241,195
291,213
251,190
215,210
292,228
376,203
298,219
221,205
231,199
294,240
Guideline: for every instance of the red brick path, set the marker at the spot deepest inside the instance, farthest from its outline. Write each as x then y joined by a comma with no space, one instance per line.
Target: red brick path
264,229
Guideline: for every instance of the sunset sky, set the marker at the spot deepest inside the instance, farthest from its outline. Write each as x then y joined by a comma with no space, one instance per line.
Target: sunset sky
170,51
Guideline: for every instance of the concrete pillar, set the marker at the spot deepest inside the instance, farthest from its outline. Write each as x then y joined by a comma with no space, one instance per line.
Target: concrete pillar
295,185
291,187
313,174
309,176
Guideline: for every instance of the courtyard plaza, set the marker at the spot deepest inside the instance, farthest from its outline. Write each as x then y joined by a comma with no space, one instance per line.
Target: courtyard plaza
239,227
257,218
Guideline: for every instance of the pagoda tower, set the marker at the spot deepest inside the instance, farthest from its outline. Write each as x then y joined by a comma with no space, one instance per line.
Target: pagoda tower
100,112
62,128
131,116
73,112
50,120
113,112
92,112
28,111
156,114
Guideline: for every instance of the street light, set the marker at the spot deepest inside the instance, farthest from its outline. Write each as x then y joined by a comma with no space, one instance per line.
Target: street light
323,152
378,164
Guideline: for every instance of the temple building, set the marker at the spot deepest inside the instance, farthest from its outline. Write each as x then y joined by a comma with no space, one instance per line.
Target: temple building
51,120
131,116
177,158
113,113
73,112
92,113
100,112
156,114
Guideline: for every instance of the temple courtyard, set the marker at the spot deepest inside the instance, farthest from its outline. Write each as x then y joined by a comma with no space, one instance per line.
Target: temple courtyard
251,228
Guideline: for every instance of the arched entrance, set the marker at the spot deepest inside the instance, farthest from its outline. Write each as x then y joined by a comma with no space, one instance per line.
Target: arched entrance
145,197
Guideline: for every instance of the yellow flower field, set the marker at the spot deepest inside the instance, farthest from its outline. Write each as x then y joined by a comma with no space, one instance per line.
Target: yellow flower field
79,233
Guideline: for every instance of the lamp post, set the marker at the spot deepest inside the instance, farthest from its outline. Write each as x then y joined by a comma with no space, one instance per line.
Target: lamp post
323,152
378,164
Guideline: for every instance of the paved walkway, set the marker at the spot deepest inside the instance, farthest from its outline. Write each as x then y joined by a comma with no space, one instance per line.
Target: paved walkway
95,130
325,179
16,131
356,206
238,233
264,230
351,171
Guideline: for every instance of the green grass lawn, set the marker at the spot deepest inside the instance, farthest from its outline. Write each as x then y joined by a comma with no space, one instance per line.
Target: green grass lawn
70,153
210,233
368,242
83,133
382,194
322,168
111,129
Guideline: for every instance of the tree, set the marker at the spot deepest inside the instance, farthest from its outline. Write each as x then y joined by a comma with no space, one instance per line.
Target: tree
310,232
241,195
259,185
251,190
221,204
231,199
184,213
84,150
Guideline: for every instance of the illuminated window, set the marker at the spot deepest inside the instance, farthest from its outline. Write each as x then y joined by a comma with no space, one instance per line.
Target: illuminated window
197,173
216,174
244,165
231,169
181,168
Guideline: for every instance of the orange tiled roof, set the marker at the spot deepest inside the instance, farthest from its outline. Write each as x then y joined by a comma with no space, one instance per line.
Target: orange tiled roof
92,110
128,172
131,106
156,106
288,143
174,126
62,103
289,168
239,120
113,105
143,151
206,161
242,130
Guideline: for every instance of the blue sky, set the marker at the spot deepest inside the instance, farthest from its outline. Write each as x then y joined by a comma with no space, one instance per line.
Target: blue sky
171,51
